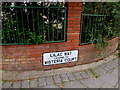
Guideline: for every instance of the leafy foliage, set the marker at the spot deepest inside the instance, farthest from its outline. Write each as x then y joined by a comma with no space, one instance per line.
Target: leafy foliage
101,24
31,22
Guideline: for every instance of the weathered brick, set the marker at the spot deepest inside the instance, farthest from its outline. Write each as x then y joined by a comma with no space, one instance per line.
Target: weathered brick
9,59
72,3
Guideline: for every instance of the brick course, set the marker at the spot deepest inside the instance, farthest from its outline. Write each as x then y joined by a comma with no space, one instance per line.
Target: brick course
29,57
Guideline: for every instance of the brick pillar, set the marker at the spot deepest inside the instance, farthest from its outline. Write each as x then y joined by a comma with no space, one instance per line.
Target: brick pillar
73,23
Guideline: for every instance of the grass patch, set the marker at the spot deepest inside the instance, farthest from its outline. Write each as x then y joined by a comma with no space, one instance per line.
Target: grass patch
3,81
80,79
94,73
71,80
55,83
114,59
62,84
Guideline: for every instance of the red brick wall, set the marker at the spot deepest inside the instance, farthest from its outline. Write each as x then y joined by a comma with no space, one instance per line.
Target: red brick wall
29,57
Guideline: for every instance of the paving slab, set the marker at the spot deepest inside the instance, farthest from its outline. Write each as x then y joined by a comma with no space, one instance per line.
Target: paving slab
84,75
92,82
30,74
1,84
64,77
109,79
42,81
23,75
49,73
90,74
57,78
33,83
16,84
50,86
108,89
7,85
115,62
49,80
71,76
110,65
98,72
37,74
116,86
9,75
105,85
114,72
77,75
101,69
104,67
92,89
74,84
25,84
107,68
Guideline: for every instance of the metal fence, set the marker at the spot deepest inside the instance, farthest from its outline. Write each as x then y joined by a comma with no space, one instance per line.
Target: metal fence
95,24
94,27
33,25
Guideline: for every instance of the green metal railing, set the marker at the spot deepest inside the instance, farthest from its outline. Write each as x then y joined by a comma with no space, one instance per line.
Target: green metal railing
97,23
93,26
33,25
